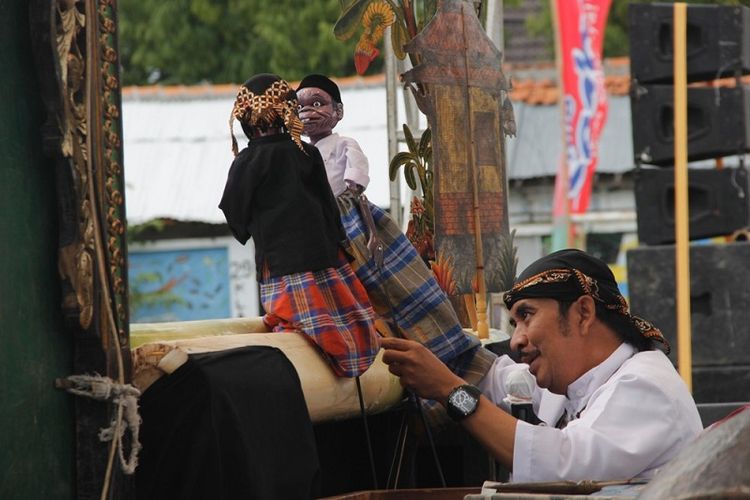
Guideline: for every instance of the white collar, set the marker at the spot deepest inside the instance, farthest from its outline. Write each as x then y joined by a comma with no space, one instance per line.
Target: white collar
327,144
580,391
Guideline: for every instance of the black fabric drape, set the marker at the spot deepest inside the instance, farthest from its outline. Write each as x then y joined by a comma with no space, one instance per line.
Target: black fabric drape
228,425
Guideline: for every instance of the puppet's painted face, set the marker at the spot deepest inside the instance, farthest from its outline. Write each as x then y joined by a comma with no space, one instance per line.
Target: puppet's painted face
318,112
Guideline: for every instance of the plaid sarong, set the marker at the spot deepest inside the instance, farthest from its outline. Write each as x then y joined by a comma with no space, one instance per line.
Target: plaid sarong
330,307
405,293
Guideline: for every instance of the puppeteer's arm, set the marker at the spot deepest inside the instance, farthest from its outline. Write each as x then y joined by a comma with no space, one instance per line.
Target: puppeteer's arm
421,372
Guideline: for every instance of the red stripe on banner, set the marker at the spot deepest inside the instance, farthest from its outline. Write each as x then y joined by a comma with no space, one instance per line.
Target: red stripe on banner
581,28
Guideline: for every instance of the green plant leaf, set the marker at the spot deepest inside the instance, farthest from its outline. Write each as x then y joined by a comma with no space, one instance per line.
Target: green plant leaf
401,158
427,157
424,143
409,175
399,37
508,257
410,142
348,22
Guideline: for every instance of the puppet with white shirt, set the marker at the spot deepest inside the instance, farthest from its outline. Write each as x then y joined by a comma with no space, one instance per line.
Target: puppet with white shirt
401,288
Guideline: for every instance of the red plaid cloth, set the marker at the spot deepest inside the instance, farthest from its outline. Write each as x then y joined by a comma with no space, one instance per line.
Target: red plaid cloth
331,308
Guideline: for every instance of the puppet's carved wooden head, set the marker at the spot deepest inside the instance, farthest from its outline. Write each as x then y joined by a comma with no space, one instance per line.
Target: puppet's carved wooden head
320,106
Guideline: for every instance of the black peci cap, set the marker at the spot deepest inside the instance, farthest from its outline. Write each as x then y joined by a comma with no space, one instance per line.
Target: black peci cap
322,82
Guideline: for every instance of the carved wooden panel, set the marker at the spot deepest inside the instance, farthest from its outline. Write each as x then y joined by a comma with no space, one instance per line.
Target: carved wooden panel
75,47
460,86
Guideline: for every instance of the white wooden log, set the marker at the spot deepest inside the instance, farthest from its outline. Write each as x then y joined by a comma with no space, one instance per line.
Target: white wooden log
328,397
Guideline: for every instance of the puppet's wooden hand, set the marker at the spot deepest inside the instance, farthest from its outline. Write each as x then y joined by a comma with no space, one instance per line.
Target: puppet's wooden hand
374,243
354,187
375,246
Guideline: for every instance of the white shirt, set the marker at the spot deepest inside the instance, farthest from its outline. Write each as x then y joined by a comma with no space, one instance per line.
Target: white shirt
631,415
344,161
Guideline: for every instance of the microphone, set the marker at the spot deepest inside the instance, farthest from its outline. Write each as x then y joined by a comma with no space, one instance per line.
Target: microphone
520,387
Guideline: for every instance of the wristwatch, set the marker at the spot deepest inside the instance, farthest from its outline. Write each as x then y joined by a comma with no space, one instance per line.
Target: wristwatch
462,402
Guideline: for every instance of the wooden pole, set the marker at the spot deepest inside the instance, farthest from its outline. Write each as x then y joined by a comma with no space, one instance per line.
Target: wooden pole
562,229
682,228
483,330
391,76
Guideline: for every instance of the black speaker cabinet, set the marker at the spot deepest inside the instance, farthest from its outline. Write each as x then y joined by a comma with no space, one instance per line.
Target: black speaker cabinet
719,298
720,312
717,122
718,42
721,384
717,200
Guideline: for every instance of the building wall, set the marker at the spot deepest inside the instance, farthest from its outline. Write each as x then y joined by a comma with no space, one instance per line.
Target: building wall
36,421
192,279
612,210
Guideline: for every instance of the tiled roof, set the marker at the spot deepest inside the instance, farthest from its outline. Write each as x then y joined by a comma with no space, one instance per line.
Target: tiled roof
546,92
536,84
533,84
177,147
223,90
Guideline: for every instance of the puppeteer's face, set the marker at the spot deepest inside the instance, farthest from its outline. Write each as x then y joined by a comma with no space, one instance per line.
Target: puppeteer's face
317,111
547,342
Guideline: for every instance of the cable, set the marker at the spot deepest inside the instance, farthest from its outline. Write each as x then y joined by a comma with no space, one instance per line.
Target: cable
429,438
367,433
398,452
377,254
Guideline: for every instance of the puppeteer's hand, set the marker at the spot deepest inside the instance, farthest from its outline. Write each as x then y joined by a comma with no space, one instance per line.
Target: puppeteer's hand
419,370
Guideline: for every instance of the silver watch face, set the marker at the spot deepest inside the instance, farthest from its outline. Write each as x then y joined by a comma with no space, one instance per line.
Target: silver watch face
463,401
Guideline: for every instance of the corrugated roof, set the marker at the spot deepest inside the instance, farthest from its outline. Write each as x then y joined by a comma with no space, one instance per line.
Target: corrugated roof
202,91
533,83
177,146
537,149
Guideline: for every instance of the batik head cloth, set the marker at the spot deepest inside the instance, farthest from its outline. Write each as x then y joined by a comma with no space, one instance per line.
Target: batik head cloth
566,275
261,101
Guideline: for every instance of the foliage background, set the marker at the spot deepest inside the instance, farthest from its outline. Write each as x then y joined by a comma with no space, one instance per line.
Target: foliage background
226,41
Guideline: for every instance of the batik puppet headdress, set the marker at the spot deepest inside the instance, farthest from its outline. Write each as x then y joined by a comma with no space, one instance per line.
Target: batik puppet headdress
264,101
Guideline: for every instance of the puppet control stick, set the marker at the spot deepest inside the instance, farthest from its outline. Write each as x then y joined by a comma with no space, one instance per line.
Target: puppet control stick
374,243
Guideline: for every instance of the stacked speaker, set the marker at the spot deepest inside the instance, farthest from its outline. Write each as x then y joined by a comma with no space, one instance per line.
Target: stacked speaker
719,307
718,47
718,52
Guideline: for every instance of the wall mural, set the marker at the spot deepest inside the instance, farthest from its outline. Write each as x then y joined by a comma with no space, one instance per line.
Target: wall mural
179,285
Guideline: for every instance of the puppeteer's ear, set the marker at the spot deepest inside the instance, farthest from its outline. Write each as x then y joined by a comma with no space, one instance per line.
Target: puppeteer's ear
586,309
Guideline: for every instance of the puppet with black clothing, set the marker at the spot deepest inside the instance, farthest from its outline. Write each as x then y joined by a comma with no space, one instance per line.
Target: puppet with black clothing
277,193
402,289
